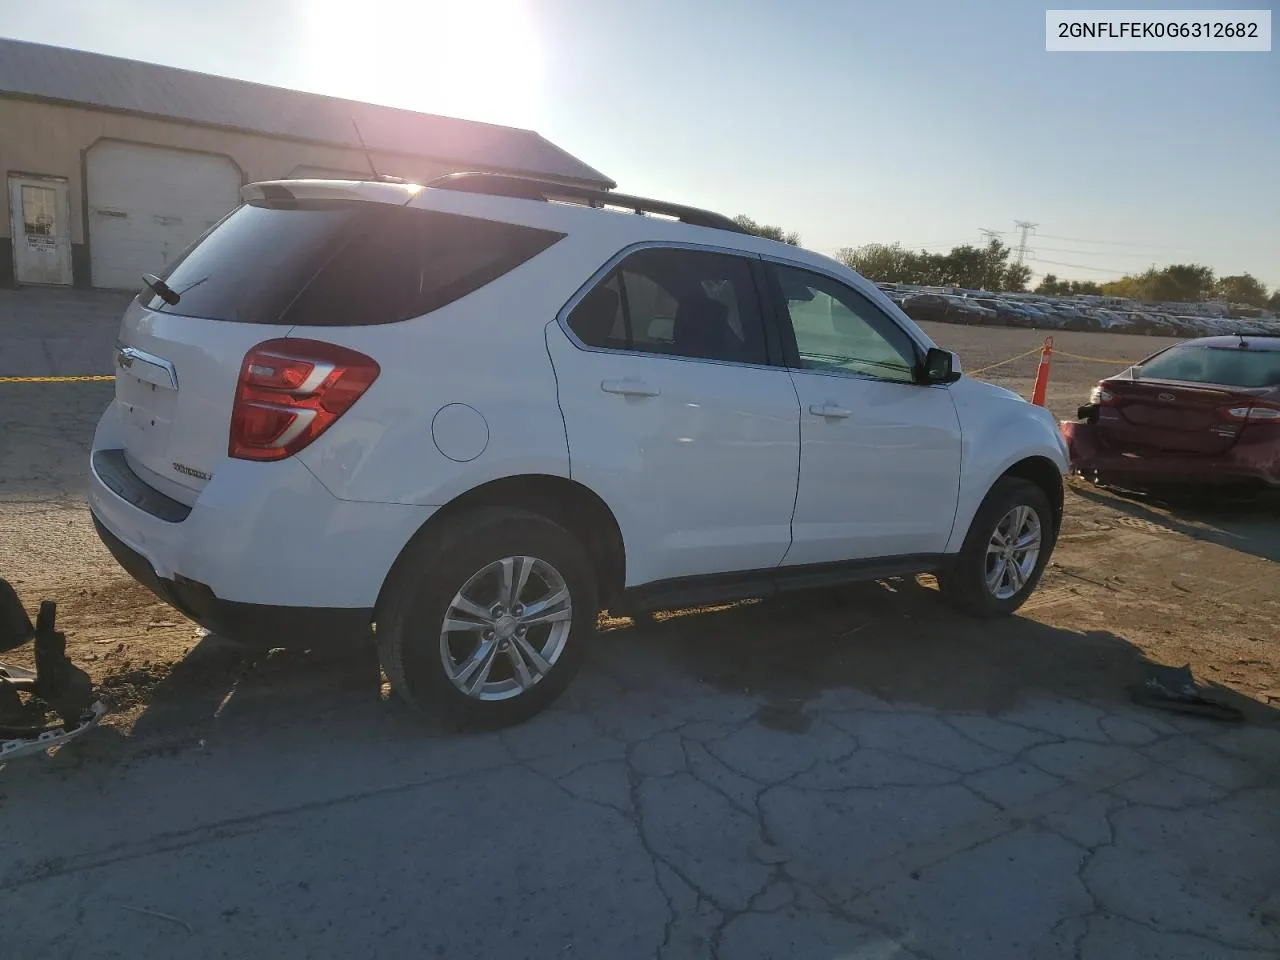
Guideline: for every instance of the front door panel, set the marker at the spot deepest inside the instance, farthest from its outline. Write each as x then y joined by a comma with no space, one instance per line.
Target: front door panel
879,469
880,452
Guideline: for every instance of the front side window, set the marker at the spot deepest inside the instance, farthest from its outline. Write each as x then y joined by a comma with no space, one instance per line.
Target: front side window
838,330
682,303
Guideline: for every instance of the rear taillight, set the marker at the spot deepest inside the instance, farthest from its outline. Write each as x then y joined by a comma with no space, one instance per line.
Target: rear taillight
290,391
1100,396
1251,414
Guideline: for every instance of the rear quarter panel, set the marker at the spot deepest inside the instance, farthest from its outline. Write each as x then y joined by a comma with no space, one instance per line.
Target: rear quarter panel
486,351
999,429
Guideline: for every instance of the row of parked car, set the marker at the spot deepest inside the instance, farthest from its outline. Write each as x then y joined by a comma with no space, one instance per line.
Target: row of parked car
1082,312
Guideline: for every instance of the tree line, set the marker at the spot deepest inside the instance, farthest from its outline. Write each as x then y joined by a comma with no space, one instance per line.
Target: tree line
1191,282
990,268
975,268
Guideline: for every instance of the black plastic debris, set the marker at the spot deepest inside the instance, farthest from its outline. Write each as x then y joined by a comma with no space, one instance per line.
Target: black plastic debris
57,685
1176,690
16,627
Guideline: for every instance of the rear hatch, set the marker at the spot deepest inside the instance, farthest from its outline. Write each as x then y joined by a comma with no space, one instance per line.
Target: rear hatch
177,365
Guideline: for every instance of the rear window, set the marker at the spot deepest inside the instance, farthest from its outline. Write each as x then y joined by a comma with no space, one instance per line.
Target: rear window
342,263
1227,366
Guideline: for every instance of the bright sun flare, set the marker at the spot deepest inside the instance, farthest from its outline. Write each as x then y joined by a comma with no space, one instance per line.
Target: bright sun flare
476,59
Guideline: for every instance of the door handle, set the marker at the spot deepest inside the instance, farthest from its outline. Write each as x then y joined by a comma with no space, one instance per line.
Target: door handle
830,411
629,388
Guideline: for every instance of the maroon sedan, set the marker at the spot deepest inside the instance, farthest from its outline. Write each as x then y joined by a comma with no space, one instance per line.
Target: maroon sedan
1204,411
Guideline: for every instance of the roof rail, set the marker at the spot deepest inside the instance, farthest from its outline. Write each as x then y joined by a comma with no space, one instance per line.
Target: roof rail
530,188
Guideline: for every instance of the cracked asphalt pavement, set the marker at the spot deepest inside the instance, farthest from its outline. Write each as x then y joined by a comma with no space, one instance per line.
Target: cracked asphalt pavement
653,814
844,774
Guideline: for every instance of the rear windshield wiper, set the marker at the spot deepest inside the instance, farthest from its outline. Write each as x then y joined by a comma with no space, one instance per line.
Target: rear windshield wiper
161,289
166,292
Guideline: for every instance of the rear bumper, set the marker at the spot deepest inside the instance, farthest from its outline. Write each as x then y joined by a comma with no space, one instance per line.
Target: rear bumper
259,535
252,623
1245,463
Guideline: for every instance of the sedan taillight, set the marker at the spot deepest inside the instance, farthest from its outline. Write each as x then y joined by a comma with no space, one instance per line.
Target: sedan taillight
1251,414
1100,396
290,391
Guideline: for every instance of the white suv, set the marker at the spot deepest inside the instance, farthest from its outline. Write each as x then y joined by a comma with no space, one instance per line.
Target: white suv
465,417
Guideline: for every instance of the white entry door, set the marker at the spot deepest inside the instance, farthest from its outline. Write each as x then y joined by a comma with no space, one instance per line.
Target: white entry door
41,222
148,204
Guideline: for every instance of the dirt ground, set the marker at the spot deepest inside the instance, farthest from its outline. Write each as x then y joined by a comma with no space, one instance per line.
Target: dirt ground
1132,581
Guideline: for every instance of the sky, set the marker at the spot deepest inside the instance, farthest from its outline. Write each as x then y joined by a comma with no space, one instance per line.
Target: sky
918,121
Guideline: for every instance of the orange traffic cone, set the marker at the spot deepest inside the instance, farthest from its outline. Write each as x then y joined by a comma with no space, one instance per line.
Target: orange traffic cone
1042,374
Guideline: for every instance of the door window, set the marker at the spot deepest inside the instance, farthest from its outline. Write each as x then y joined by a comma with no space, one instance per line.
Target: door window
39,211
838,330
682,303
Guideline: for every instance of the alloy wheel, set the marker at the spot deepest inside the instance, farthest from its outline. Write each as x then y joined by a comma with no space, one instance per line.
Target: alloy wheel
505,629
1012,552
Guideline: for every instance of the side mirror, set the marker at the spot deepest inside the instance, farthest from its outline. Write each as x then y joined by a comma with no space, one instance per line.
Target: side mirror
941,366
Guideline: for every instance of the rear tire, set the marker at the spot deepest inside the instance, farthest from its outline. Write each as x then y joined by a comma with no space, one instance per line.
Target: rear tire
976,582
454,635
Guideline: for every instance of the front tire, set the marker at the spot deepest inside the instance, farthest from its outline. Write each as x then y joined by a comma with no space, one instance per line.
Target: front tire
483,622
1005,551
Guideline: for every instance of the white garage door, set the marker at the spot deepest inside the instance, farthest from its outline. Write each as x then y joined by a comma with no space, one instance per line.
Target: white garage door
147,204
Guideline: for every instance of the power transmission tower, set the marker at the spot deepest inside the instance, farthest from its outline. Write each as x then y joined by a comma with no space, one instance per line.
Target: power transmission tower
1026,226
989,233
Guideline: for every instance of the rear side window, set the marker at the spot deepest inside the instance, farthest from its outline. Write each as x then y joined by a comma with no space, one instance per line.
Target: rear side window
1227,366
684,303
343,263
404,263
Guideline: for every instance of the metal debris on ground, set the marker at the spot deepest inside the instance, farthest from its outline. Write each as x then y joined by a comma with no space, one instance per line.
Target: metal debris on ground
27,697
1175,689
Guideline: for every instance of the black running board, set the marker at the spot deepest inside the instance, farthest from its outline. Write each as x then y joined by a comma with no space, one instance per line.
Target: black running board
751,584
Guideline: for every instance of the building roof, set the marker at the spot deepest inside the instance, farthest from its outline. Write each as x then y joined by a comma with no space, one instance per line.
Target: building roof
77,77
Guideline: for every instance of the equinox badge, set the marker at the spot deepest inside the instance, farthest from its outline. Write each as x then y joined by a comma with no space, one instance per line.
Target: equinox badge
191,471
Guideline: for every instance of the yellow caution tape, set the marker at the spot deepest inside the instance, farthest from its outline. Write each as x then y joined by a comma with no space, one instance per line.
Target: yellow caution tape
53,379
1076,356
1054,353
1001,363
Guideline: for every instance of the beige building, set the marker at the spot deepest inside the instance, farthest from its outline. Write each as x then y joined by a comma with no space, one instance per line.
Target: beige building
114,166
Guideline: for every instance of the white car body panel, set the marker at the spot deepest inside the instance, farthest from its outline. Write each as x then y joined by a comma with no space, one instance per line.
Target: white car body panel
486,351
701,475
265,533
879,482
176,438
999,429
